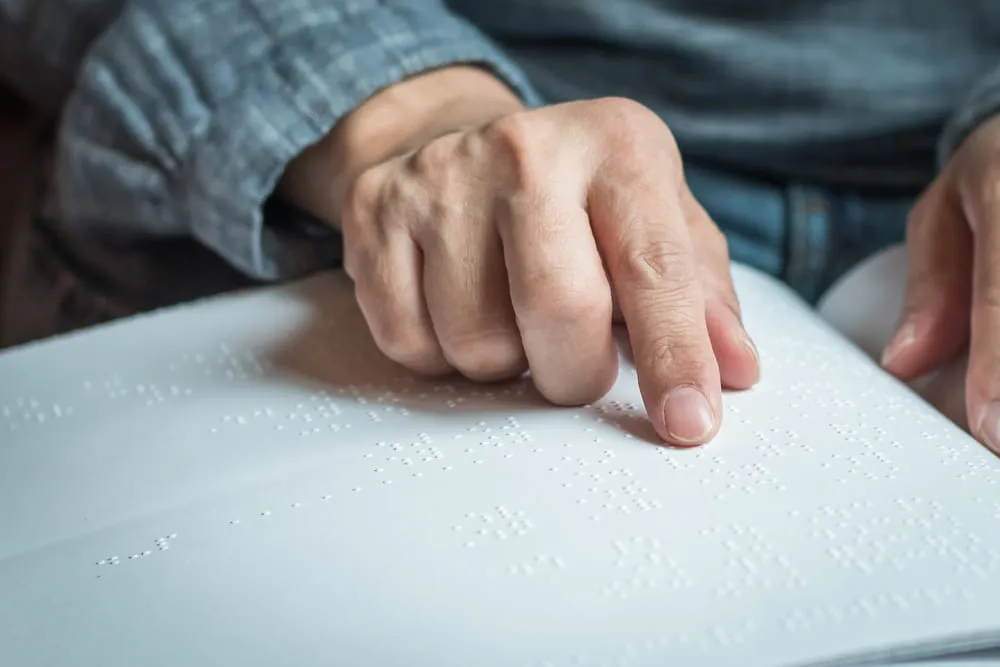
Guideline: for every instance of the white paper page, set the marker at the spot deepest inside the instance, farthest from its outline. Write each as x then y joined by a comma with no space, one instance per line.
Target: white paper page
247,481
865,306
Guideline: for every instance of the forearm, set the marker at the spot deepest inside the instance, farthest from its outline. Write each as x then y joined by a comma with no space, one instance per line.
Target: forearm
393,122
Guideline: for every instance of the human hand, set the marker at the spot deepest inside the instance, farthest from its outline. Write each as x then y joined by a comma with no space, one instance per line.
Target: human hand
953,293
488,239
503,248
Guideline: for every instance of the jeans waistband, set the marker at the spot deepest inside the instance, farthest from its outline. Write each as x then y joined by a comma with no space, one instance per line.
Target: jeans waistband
807,235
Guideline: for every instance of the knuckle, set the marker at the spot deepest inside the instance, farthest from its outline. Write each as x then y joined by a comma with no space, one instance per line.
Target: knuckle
405,203
566,309
362,250
675,356
629,112
437,190
398,337
449,217
432,159
403,345
577,306
514,141
356,252
363,197
513,130
488,357
664,267
631,124
562,296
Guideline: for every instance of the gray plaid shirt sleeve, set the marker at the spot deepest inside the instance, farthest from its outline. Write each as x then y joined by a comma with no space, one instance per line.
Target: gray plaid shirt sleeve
981,104
183,113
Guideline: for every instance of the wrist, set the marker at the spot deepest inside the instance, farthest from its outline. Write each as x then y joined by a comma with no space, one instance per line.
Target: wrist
393,122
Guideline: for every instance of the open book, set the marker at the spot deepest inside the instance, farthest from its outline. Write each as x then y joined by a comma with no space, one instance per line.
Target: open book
247,481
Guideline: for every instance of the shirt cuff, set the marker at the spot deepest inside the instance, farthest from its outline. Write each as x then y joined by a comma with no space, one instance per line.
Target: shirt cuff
187,113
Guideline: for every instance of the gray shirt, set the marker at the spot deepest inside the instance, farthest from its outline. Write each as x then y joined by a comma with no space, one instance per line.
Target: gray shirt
178,116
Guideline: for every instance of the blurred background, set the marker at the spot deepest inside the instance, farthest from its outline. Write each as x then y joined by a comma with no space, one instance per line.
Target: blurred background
22,157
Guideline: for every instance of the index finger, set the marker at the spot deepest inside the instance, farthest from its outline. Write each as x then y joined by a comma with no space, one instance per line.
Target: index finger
644,240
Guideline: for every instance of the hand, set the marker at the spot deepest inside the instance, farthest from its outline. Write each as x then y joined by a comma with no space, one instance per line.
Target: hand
508,245
953,292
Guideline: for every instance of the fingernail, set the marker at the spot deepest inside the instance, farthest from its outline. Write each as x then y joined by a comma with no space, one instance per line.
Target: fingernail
989,426
687,415
748,344
902,340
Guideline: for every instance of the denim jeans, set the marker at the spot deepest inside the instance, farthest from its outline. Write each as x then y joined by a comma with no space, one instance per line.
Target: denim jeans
806,236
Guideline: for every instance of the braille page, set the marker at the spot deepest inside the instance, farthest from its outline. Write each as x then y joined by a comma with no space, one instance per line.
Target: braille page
247,481
865,306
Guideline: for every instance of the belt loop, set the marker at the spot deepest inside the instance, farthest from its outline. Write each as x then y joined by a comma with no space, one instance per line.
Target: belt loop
808,240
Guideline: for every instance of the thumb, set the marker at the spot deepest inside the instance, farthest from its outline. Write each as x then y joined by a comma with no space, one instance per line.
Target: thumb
934,324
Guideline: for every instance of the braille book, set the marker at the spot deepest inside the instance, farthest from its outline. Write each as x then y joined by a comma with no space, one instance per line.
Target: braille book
247,481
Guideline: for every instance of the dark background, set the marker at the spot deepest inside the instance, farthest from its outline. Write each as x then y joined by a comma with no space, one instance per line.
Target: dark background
21,172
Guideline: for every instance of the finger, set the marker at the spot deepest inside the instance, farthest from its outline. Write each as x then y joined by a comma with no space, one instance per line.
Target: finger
735,352
561,297
643,235
983,380
934,323
385,265
468,297
389,296
739,364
